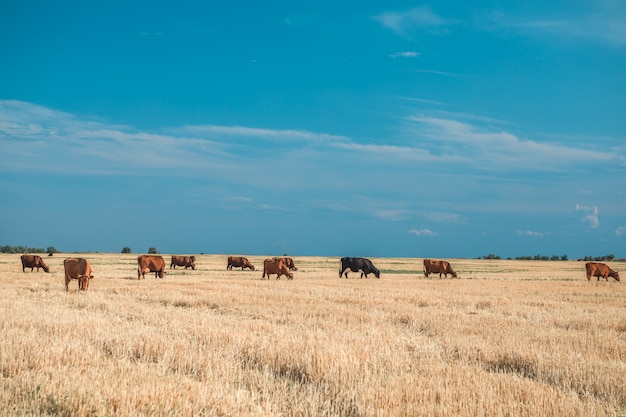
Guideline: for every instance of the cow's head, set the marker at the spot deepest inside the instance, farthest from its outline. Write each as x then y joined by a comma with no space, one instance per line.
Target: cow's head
377,273
614,274
46,269
283,270
161,272
83,282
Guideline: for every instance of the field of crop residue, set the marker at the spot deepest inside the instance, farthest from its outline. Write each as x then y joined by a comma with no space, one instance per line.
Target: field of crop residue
507,338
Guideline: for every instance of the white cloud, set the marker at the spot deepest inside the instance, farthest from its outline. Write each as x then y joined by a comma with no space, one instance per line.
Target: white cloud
406,22
590,215
602,21
422,232
620,231
405,54
286,134
444,217
389,214
528,233
490,148
444,73
599,21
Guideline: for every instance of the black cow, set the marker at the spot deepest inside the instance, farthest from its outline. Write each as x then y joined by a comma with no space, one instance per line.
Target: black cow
358,264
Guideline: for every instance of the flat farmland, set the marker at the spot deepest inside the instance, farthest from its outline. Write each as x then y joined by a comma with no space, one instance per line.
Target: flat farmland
507,338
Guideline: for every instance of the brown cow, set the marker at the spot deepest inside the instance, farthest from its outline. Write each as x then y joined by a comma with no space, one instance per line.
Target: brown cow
440,267
33,261
275,266
597,269
77,268
150,263
288,263
239,261
186,261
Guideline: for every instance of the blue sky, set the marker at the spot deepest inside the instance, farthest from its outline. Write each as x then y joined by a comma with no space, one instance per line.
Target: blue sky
409,129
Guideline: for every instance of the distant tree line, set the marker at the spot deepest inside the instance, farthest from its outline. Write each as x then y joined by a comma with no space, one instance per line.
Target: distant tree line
598,258
542,258
26,249
551,258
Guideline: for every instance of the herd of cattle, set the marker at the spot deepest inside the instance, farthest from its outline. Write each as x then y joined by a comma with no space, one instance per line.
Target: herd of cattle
80,270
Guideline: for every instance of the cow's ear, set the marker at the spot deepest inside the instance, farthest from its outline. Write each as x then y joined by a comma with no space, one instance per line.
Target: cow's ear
90,277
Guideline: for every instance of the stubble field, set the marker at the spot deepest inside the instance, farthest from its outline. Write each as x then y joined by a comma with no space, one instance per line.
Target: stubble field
508,338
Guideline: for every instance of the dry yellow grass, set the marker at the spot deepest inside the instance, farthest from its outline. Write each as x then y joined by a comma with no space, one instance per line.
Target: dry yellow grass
509,338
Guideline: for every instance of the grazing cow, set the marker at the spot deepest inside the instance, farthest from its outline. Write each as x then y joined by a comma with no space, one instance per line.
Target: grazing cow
77,268
357,264
597,269
33,261
288,263
438,267
150,263
239,261
275,266
186,261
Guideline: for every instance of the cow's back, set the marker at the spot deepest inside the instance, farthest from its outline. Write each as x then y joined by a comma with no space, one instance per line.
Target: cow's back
77,268
275,266
151,263
596,269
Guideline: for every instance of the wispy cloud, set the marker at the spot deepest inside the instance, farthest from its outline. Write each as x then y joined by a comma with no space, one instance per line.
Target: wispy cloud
528,233
590,215
621,231
454,140
422,232
600,21
243,131
405,23
443,73
405,54
490,148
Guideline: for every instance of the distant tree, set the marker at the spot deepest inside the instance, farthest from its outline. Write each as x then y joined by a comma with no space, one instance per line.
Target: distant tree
126,249
555,258
51,249
564,257
491,256
153,250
